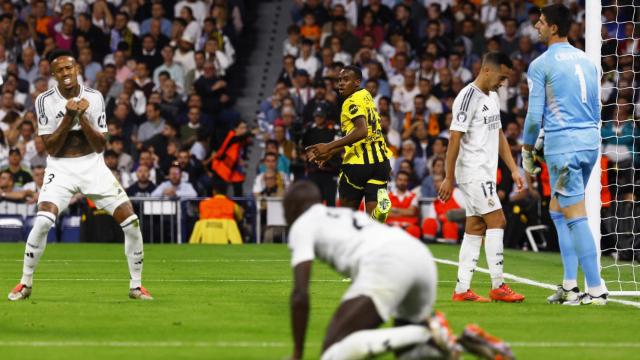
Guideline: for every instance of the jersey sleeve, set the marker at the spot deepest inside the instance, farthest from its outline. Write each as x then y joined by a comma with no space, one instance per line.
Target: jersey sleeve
99,114
46,122
354,107
301,240
536,81
463,110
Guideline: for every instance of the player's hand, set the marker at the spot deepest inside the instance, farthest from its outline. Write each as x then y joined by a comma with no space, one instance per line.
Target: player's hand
83,105
318,152
72,107
538,147
446,189
518,180
528,162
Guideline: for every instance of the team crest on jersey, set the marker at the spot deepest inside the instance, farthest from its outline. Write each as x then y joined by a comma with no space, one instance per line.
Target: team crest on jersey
462,117
353,109
491,203
42,120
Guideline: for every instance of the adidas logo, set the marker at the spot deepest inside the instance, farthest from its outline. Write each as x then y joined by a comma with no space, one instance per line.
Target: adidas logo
485,108
60,115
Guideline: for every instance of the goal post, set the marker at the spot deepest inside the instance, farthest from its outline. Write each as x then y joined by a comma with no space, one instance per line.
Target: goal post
618,276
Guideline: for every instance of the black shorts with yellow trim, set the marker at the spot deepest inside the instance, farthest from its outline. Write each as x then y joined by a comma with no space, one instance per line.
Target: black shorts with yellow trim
357,181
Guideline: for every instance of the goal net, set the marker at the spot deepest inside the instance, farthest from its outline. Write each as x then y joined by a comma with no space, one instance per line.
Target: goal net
619,52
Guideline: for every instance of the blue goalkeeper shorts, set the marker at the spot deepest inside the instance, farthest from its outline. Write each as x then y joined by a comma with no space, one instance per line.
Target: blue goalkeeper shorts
569,174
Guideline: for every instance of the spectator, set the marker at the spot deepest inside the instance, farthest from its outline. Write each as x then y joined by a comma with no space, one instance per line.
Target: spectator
228,163
310,29
291,45
211,88
367,26
284,164
189,131
157,13
192,170
270,161
497,27
428,188
35,185
175,70
149,54
403,95
307,61
142,187
404,205
324,177
409,153
153,125
20,175
225,212
9,191
39,159
174,186
124,160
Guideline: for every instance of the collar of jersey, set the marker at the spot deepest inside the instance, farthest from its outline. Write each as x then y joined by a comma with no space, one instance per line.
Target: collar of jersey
79,95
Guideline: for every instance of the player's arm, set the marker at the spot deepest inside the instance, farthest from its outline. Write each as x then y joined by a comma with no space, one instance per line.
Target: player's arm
96,139
504,151
300,306
450,163
533,121
322,150
53,142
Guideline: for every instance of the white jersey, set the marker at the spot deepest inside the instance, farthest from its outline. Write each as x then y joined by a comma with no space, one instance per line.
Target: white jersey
51,108
477,115
342,238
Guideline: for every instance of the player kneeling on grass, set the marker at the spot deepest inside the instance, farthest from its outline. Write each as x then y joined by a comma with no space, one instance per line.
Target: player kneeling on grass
393,274
476,140
72,124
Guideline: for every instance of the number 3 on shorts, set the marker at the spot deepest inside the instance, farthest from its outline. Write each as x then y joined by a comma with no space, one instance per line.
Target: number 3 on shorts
50,178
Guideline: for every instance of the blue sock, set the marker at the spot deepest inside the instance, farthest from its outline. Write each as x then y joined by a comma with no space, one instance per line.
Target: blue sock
585,249
567,251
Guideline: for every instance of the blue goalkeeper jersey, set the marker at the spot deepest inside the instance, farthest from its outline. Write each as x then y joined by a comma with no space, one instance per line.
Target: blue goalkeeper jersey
563,94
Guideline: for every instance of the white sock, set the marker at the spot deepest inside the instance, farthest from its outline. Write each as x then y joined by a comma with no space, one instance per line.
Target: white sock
597,290
133,249
36,243
569,284
468,259
494,250
366,343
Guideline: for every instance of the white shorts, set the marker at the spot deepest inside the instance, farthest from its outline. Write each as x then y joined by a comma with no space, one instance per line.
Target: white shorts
401,281
65,177
481,197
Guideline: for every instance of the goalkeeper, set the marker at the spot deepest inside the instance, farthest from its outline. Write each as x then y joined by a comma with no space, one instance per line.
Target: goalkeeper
563,90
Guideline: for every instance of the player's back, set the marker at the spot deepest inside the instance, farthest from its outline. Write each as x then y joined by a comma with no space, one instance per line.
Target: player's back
572,106
342,238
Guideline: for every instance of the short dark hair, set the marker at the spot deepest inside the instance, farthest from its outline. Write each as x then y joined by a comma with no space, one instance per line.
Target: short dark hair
403,172
497,58
355,70
271,142
271,154
56,53
558,15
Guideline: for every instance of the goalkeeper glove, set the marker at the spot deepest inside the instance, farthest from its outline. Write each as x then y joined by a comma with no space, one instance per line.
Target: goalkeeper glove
538,147
528,162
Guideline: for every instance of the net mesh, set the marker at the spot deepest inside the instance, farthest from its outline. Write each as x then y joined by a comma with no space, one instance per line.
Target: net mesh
620,145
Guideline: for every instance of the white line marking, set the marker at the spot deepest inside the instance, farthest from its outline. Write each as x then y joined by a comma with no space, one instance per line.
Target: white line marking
153,261
204,280
532,282
269,344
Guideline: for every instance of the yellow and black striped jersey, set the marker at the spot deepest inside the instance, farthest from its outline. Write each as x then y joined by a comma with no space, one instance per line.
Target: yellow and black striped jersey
372,149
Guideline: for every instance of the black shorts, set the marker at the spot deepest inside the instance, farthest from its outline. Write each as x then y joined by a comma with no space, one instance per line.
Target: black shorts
357,181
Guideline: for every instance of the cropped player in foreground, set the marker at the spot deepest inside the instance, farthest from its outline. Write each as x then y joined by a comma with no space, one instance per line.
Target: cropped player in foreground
365,166
476,140
393,274
72,124
563,90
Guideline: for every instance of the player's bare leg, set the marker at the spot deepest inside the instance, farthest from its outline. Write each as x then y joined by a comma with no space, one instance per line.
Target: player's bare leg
494,250
133,249
36,243
468,259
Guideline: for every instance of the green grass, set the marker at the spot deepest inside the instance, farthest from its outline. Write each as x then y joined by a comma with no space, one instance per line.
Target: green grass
216,302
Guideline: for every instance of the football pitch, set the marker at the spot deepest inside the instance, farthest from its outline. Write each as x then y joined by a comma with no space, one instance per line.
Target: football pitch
231,302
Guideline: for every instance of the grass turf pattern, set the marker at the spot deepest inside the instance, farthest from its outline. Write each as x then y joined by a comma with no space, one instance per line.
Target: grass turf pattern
231,302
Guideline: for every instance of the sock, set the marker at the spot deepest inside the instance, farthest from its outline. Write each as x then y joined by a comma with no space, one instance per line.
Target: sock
586,251
36,243
366,343
494,251
133,249
468,259
568,253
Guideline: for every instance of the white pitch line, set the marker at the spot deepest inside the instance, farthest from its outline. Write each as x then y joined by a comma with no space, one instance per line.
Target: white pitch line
270,344
153,261
532,282
205,280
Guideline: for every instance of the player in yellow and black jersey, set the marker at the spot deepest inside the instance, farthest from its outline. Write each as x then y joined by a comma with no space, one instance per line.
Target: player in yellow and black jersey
365,166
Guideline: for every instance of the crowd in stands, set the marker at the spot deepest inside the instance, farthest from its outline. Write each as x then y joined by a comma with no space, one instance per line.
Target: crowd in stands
162,67
416,55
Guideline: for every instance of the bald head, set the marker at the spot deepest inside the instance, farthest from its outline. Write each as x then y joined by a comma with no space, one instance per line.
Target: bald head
300,197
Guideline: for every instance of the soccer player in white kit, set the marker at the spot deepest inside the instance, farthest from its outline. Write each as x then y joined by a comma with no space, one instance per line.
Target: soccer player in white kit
72,124
476,140
393,274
